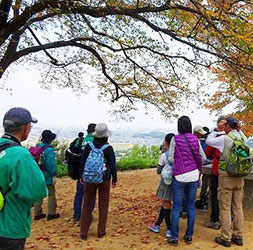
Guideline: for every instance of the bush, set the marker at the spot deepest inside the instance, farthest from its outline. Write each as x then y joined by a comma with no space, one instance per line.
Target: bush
139,157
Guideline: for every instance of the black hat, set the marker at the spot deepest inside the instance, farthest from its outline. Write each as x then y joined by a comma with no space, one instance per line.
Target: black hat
232,122
91,128
47,136
18,116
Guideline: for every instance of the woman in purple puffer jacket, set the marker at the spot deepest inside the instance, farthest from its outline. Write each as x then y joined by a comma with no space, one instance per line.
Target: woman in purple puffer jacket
187,156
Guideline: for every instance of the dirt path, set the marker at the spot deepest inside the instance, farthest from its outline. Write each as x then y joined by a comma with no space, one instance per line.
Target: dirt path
133,205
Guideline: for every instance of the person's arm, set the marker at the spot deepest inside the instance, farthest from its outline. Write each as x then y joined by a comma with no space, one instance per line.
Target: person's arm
161,163
112,164
49,162
27,180
172,150
84,156
202,153
215,141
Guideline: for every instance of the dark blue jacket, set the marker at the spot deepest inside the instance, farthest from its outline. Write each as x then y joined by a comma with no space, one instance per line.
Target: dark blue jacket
109,156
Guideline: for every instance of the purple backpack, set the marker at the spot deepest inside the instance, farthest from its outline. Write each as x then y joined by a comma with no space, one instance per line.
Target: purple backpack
36,152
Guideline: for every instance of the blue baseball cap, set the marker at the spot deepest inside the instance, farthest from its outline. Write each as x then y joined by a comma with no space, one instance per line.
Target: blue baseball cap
18,116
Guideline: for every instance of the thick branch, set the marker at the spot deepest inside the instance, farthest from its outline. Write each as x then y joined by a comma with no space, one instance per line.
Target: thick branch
5,6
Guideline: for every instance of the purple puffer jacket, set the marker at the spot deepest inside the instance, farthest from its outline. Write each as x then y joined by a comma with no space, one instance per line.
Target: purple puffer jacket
184,160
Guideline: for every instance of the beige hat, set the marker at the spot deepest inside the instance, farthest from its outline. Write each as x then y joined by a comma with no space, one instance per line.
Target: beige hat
102,131
199,129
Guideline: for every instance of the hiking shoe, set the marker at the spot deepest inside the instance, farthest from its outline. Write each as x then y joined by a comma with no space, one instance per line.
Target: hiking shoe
188,239
173,242
101,235
83,237
154,228
76,220
236,240
41,216
222,242
53,216
213,225
168,234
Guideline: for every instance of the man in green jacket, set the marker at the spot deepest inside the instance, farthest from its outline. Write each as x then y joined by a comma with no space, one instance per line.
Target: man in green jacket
21,180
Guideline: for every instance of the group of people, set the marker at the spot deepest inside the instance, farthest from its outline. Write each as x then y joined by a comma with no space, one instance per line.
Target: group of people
185,154
25,181
28,176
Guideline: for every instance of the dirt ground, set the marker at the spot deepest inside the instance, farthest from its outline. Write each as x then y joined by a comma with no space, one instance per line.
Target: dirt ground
132,206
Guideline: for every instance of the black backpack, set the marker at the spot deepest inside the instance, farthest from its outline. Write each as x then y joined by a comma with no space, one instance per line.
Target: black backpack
73,158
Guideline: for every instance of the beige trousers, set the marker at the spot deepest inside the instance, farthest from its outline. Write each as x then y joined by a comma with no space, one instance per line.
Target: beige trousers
51,202
230,196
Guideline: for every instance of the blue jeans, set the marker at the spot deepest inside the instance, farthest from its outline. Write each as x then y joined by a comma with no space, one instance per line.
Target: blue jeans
78,201
178,190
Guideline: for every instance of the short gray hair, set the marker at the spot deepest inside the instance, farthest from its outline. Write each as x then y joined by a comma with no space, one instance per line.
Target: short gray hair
10,127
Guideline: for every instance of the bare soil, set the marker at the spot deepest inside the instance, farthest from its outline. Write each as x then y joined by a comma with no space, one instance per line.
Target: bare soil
132,206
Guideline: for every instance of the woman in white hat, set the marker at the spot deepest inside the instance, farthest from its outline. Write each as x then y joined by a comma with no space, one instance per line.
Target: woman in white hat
91,185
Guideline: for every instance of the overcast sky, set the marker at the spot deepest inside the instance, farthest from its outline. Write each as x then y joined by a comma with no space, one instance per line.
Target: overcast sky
61,108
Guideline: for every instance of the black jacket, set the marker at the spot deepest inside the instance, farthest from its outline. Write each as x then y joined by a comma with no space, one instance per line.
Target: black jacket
109,156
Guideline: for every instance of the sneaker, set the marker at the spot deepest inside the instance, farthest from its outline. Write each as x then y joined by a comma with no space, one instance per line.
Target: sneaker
213,225
41,216
168,234
188,239
173,242
222,242
154,228
53,216
237,240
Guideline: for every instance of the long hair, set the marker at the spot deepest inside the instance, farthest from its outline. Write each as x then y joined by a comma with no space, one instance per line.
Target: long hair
184,125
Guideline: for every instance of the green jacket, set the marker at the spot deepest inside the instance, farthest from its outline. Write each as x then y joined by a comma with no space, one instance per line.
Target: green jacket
49,163
86,139
21,174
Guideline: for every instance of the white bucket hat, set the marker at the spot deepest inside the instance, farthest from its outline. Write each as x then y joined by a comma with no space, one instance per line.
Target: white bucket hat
199,129
101,131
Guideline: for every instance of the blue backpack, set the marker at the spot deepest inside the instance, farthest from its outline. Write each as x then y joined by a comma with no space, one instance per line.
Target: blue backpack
93,169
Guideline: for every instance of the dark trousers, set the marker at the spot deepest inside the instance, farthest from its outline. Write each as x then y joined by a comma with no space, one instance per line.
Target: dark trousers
103,206
79,200
12,244
214,199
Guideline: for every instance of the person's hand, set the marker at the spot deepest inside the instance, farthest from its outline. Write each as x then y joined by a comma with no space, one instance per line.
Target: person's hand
81,181
221,125
113,184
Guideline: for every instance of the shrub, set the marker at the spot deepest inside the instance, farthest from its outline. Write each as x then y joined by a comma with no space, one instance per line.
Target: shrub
139,157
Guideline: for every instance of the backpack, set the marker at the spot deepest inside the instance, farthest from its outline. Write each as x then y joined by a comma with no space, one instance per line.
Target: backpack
73,162
37,152
73,158
93,169
167,170
3,146
239,163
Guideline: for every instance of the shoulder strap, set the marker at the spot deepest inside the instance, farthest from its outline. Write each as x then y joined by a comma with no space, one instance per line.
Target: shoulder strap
232,136
4,146
91,145
104,146
167,155
46,146
8,144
